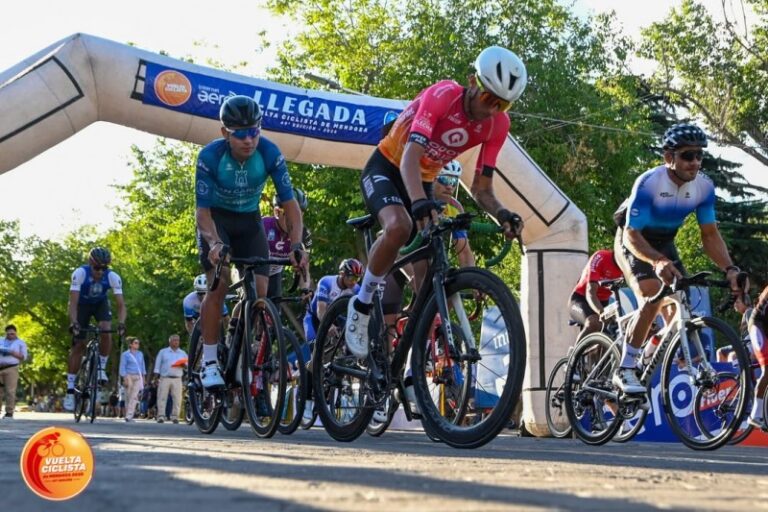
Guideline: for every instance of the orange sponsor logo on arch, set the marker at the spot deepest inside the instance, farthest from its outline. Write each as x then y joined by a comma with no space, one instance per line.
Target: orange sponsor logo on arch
172,88
57,463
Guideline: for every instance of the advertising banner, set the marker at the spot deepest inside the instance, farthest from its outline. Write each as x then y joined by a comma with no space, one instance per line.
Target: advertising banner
289,110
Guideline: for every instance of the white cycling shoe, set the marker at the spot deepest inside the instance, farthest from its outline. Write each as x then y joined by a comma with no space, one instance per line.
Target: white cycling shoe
356,331
626,380
211,377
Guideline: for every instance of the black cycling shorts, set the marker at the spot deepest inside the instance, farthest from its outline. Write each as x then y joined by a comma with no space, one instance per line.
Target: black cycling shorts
100,311
242,232
580,309
642,270
382,185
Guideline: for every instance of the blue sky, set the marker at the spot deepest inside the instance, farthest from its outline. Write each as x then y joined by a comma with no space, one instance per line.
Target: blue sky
69,185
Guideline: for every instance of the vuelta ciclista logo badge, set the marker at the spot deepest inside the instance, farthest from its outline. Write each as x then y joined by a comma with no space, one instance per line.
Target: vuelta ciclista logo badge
57,463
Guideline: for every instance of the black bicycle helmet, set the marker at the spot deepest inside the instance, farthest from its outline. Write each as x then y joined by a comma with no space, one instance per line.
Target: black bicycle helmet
298,194
240,111
684,134
100,256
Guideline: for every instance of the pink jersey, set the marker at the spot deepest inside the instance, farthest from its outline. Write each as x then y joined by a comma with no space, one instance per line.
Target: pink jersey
436,119
599,267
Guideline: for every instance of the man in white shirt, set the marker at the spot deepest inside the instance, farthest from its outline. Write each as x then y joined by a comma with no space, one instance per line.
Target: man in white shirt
169,365
13,351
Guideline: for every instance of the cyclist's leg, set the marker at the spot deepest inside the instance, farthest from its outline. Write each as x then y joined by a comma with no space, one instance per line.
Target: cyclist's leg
757,335
103,317
583,314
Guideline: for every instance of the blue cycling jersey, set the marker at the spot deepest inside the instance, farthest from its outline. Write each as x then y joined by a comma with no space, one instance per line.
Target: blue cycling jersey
658,206
223,182
91,291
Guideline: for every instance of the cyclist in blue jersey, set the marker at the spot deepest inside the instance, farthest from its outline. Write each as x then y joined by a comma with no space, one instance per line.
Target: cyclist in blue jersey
88,299
229,179
329,288
192,302
661,199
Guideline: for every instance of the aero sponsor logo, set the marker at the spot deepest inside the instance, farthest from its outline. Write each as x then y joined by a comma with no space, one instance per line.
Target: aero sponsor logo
172,88
57,463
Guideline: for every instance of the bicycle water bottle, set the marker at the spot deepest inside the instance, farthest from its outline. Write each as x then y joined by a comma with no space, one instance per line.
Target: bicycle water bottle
650,349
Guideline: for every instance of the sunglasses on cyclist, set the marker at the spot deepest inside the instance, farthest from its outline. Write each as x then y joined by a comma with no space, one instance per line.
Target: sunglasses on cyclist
689,155
491,100
448,181
100,267
351,277
244,133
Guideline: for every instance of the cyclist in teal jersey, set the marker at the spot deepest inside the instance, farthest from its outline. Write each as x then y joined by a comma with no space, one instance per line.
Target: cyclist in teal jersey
230,177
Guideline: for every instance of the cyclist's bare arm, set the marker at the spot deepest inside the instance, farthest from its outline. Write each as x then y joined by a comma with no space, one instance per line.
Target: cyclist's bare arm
321,307
715,248
464,253
639,246
294,223
122,311
592,299
189,324
482,193
207,229
411,174
74,296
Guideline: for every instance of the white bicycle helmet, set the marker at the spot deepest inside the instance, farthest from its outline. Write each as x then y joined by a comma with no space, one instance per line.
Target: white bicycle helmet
452,168
501,72
201,284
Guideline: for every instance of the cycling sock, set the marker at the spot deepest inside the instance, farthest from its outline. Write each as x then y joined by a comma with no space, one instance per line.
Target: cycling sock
629,355
210,353
757,409
103,361
369,285
70,381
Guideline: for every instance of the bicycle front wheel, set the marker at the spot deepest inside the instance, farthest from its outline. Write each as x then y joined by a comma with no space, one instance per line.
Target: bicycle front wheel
557,419
467,383
93,385
704,407
338,381
591,402
82,380
264,366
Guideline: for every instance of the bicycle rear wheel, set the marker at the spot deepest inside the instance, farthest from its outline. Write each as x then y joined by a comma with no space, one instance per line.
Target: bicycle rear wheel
81,388
204,406
295,393
704,408
557,419
589,396
264,367
338,382
482,363
232,411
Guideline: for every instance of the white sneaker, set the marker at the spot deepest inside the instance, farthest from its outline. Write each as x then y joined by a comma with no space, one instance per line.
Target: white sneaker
356,331
626,380
103,379
410,395
69,402
211,376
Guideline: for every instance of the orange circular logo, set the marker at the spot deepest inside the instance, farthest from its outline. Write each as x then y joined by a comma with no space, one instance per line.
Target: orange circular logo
172,88
57,463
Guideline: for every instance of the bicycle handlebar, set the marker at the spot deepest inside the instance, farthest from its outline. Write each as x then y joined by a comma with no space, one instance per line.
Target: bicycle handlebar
462,221
252,261
699,279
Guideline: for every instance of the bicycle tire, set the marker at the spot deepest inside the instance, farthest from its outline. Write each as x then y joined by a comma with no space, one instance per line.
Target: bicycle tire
344,415
263,368
296,389
595,357
686,425
376,428
93,385
622,435
232,415
554,404
487,425
205,406
81,383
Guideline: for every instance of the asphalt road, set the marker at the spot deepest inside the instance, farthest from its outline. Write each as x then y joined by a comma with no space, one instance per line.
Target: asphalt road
144,466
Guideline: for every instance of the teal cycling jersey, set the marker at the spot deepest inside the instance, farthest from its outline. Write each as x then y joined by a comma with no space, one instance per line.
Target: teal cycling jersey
223,182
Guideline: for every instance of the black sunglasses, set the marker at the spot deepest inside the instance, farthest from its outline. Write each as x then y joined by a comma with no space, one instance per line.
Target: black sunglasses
100,267
689,155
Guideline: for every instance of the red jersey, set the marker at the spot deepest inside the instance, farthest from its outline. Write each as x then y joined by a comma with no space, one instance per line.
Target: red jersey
599,267
436,119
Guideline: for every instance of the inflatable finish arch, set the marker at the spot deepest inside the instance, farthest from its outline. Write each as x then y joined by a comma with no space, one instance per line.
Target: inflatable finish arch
82,79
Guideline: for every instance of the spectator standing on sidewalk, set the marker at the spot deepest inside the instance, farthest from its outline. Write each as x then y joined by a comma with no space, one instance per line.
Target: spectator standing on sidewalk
170,373
132,372
13,351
